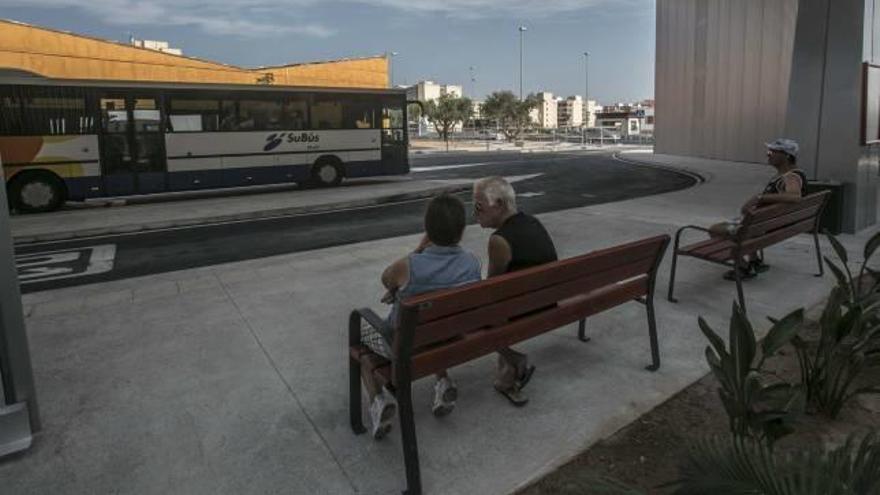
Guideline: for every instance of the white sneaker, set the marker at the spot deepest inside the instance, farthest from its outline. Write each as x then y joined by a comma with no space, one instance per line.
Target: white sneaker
382,411
445,394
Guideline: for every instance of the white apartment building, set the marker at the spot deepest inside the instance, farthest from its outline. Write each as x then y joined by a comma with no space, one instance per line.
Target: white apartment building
159,46
544,115
570,111
590,110
425,91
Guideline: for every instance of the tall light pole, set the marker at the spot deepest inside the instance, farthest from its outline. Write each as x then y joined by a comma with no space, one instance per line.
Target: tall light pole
390,56
586,94
522,29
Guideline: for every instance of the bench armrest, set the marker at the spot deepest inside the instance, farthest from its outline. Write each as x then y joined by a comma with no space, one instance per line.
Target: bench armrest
686,227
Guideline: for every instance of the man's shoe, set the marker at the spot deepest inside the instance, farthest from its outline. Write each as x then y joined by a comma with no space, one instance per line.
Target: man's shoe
745,273
758,266
445,395
382,411
514,395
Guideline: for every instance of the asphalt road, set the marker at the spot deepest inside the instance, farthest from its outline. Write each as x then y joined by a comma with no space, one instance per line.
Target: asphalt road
547,182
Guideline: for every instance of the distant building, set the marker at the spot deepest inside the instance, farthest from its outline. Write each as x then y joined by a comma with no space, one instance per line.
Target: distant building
590,110
570,112
544,115
159,46
627,119
426,91
477,107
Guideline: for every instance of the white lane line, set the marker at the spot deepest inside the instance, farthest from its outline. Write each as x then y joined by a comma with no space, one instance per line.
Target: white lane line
416,170
530,194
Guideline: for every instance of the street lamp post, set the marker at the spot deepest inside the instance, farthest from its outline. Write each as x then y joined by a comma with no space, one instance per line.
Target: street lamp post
390,56
586,94
522,29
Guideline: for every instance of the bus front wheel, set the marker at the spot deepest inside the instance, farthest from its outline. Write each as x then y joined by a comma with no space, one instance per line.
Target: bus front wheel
36,192
327,173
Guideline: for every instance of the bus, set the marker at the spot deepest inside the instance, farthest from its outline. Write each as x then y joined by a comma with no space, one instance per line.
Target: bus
77,140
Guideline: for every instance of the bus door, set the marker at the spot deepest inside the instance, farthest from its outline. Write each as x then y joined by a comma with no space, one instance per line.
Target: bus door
395,158
132,144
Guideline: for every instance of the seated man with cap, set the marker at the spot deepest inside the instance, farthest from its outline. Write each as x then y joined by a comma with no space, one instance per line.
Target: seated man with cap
789,185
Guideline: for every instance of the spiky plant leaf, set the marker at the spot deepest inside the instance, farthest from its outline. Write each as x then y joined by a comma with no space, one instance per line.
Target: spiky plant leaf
871,246
842,280
723,466
839,250
782,332
742,343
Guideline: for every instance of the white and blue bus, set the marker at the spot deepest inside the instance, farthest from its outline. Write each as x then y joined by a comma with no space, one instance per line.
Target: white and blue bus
76,140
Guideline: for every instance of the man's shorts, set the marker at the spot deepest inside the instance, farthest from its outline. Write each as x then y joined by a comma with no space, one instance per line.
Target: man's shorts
377,340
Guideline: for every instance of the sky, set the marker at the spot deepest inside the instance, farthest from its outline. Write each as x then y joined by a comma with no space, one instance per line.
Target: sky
438,40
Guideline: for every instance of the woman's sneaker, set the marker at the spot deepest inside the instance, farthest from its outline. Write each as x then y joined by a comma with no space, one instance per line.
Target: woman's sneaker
445,395
382,411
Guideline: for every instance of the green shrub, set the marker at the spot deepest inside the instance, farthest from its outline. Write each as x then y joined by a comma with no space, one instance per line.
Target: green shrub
755,409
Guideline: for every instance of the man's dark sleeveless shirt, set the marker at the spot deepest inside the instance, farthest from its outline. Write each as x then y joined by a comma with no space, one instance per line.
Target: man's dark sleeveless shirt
530,244
777,185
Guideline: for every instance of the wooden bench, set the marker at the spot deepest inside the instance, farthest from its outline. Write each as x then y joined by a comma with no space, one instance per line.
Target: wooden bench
761,228
443,329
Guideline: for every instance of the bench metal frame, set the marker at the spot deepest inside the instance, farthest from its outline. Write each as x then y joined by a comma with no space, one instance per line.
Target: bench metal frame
401,365
736,259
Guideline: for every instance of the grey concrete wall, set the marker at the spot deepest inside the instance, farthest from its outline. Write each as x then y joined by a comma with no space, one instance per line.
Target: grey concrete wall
722,76
825,103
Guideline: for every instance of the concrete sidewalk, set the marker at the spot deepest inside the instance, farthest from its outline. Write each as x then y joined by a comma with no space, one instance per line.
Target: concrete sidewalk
87,221
233,378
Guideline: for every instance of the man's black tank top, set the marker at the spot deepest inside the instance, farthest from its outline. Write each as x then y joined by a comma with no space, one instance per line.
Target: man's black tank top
777,185
530,244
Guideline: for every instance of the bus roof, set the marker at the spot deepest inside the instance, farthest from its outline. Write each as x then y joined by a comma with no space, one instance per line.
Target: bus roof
14,77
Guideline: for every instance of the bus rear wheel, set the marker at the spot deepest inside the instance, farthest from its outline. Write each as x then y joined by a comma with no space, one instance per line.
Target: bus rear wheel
327,173
36,192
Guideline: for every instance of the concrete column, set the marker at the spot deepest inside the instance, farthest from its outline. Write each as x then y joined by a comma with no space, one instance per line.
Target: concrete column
825,102
15,361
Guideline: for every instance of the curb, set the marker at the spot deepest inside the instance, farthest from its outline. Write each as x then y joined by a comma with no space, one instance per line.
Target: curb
253,215
681,170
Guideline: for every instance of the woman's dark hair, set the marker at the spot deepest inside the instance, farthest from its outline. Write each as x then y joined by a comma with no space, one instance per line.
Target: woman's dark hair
445,220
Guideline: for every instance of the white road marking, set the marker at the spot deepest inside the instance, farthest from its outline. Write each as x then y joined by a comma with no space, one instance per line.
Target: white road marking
530,194
416,170
68,263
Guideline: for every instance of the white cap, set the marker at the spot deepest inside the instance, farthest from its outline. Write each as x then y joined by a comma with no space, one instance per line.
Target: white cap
788,146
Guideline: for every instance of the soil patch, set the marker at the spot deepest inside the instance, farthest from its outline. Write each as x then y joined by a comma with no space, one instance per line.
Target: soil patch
645,455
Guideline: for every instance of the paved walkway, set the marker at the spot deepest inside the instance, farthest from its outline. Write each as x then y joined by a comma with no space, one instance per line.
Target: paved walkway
232,378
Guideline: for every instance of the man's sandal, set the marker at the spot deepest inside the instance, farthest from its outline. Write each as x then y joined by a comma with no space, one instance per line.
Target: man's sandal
513,395
524,378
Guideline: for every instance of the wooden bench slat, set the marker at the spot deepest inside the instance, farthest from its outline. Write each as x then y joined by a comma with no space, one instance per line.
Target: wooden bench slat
707,249
778,235
456,300
501,310
776,210
485,342
767,226
752,245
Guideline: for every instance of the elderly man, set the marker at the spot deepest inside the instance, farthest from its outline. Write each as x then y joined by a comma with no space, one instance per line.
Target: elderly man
519,241
789,185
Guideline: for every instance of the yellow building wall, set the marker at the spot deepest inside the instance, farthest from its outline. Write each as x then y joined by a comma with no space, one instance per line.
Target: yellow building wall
60,55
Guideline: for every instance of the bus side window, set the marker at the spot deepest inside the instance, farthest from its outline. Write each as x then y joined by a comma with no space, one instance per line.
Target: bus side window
295,111
189,114
326,112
